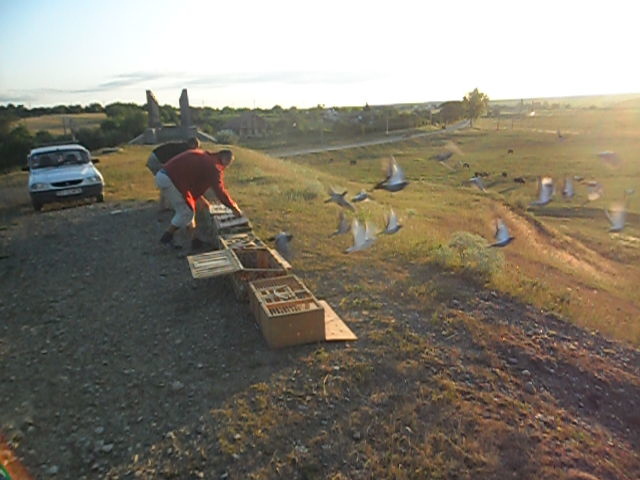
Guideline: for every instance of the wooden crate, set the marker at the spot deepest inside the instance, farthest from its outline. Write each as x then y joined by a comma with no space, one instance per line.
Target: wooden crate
219,209
239,241
213,264
287,312
255,263
228,223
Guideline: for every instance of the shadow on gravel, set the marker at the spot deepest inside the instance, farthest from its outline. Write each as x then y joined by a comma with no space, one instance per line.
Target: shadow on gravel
108,344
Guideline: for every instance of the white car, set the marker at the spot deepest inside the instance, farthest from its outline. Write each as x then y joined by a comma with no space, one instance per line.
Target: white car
63,172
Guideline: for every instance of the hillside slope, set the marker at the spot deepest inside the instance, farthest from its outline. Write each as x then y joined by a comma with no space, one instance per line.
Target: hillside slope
120,365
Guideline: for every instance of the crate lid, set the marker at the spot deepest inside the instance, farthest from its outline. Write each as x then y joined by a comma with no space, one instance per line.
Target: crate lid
214,264
219,209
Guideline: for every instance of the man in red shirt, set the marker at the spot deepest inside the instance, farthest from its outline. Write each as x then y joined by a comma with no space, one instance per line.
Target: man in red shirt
183,181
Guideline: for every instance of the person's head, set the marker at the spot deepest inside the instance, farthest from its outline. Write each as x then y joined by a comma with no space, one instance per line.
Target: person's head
225,157
193,142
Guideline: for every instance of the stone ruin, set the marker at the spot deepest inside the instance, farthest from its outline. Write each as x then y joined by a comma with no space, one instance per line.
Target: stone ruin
157,132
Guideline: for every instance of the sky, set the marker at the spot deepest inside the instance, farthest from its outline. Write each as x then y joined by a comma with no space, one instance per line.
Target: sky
249,53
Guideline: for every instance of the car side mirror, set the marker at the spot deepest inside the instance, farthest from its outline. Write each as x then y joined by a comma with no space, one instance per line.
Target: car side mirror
25,168
96,160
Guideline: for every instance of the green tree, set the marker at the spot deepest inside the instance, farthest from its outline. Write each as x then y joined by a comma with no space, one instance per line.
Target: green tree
475,104
14,147
451,111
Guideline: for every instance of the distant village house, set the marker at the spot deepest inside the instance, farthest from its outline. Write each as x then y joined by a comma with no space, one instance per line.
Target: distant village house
247,125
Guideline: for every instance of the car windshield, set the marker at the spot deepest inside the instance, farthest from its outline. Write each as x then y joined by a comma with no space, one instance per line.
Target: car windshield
56,159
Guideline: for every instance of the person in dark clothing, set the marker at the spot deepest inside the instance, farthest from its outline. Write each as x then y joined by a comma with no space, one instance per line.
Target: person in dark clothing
165,152
183,181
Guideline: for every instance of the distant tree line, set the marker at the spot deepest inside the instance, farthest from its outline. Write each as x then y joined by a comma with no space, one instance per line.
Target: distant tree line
125,121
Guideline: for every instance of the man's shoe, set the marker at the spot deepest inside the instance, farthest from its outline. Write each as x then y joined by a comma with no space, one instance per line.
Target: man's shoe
167,238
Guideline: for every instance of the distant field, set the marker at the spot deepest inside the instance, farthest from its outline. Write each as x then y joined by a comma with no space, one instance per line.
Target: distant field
55,124
599,101
564,258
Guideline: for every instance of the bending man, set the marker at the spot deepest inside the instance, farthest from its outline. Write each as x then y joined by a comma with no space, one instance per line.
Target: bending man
165,152
183,181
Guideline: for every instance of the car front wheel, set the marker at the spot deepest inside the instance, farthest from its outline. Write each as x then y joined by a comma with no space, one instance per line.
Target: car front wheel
100,198
37,206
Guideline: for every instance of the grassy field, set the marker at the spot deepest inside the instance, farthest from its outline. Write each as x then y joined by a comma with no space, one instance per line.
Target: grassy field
56,124
564,259
429,391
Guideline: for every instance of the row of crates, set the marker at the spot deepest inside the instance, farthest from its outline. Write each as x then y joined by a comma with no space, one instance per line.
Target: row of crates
285,309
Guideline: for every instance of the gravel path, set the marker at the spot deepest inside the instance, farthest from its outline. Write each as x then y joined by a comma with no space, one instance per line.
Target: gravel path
106,341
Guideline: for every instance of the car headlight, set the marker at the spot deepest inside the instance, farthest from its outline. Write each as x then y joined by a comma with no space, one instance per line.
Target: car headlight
94,179
38,186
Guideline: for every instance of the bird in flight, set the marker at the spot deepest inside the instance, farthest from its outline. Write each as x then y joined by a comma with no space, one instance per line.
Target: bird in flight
545,191
617,214
282,241
391,223
360,196
567,188
395,180
595,190
340,199
502,234
343,224
477,181
610,158
363,237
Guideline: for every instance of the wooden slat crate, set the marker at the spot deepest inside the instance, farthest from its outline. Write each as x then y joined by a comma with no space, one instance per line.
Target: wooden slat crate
255,263
219,209
212,264
225,224
276,289
287,312
239,241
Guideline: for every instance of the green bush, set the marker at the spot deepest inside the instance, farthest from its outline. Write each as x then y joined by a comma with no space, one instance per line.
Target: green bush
14,148
471,253
227,137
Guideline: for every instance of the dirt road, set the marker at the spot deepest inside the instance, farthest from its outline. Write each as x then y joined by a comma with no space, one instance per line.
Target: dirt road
366,143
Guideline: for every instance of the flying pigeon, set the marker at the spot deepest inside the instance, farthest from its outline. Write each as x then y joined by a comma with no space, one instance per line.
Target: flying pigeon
616,214
610,158
595,190
502,234
567,188
343,224
391,223
545,191
477,181
340,199
443,156
363,237
361,196
282,240
395,180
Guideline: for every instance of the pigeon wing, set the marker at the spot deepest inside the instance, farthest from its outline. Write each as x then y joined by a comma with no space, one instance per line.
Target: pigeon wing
358,233
392,221
502,232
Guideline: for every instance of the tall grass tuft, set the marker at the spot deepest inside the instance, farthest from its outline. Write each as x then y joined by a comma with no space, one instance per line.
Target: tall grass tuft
469,252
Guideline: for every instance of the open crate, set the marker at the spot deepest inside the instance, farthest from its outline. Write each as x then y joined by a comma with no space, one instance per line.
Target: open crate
229,223
256,263
287,312
243,265
239,241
